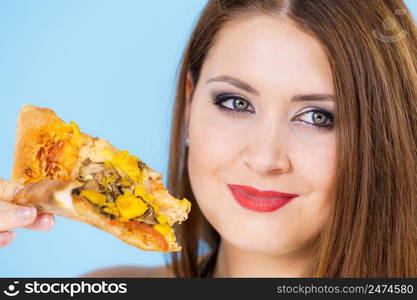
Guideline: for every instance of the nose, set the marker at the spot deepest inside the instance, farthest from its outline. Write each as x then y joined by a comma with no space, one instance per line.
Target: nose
266,151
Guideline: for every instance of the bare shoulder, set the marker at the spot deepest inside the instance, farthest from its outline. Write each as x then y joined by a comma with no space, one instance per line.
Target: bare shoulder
136,271
130,271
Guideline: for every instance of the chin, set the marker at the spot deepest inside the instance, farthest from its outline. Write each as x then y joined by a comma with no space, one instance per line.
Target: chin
279,246
262,240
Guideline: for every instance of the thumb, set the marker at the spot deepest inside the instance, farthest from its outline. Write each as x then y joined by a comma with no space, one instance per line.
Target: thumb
8,189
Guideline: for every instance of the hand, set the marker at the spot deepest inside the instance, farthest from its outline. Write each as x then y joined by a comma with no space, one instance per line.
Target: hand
14,216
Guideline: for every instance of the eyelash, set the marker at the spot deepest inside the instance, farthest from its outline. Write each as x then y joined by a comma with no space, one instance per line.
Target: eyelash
219,99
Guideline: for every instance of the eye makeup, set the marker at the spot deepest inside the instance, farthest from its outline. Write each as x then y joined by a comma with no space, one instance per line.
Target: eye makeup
232,104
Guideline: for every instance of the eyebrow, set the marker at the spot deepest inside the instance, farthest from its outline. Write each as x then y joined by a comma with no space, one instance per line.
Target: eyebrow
250,89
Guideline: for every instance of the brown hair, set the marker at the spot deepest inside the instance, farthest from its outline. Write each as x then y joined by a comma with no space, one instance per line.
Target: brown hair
372,231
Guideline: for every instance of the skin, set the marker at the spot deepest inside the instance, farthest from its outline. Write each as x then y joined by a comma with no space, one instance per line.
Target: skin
269,149
15,216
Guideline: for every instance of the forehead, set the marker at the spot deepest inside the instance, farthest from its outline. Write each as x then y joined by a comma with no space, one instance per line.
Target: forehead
271,50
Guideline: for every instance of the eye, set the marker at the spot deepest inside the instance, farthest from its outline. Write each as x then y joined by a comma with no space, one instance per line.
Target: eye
236,104
233,104
316,118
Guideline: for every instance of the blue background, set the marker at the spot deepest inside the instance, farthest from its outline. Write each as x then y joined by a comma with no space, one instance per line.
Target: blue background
92,61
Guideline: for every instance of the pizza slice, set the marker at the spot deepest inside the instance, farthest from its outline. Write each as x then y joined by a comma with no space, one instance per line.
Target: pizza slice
74,175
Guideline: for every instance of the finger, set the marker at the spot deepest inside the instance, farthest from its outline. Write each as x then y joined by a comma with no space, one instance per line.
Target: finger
6,237
17,217
8,189
43,222
4,205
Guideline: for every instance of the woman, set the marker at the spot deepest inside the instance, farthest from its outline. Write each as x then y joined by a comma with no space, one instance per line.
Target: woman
294,135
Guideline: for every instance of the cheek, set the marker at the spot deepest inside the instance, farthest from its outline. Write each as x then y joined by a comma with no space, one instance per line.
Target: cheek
315,165
314,170
215,140
215,145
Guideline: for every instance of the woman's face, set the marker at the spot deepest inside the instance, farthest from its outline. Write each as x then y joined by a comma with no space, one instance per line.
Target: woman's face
254,119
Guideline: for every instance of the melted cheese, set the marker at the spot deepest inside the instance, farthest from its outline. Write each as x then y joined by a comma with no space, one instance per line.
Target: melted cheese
75,130
166,231
141,192
128,164
112,209
130,206
162,219
95,197
126,206
66,139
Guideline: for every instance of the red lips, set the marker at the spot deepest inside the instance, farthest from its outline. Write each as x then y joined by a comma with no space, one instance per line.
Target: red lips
262,201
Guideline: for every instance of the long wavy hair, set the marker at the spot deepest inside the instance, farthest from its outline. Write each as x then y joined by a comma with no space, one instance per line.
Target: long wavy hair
371,46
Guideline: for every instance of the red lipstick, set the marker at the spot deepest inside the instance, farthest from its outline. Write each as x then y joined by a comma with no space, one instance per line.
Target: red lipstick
262,201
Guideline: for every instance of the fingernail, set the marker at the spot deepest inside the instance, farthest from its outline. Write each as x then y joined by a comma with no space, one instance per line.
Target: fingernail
26,213
45,222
